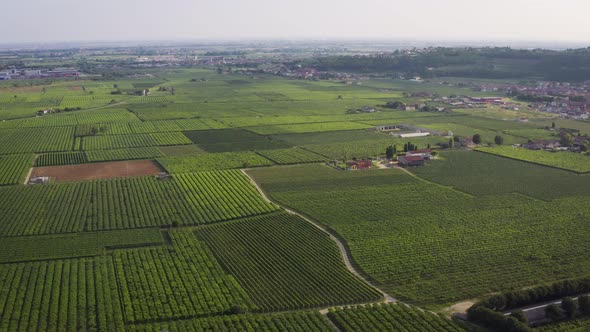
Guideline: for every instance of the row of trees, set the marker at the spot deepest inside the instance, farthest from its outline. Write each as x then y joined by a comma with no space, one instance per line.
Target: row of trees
487,312
569,65
510,300
569,308
496,320
391,150
477,139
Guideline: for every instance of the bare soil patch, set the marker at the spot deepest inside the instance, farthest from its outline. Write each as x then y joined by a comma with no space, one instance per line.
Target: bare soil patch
94,171
459,308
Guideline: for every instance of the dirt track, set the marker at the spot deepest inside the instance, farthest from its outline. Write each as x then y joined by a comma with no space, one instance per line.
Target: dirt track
94,171
343,251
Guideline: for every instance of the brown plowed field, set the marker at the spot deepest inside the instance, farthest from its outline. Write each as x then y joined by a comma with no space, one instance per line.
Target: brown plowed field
93,171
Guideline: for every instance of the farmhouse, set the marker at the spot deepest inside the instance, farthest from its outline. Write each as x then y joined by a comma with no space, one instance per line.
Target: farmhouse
359,164
410,160
486,100
541,144
424,153
467,142
43,112
39,180
387,127
368,109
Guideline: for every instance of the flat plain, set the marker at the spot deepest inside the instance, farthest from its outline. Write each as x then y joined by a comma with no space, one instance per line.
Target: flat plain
109,247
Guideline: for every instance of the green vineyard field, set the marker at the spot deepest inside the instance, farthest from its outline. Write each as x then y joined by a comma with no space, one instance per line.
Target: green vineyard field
293,321
184,281
14,168
313,276
390,317
128,203
291,156
61,158
60,295
31,248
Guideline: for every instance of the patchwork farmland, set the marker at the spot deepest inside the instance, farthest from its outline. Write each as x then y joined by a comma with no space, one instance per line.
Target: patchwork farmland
228,202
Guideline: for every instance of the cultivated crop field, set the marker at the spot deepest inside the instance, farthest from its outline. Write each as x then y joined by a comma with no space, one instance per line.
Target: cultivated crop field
232,140
13,168
191,198
566,160
292,156
463,170
427,243
212,161
192,208
314,275
390,317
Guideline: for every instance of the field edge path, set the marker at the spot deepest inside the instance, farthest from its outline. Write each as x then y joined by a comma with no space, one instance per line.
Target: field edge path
341,247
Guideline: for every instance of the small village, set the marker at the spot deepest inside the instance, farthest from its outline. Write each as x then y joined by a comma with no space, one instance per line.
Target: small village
14,73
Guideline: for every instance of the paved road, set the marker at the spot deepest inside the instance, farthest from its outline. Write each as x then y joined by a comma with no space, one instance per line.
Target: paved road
536,312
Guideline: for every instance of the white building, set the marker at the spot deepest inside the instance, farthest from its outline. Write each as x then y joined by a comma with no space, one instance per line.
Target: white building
416,134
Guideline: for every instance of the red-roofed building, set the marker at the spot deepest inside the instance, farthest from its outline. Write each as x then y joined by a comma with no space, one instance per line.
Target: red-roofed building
405,161
359,164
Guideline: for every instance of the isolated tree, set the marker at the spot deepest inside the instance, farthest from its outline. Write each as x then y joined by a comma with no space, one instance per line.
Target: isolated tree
476,139
499,140
94,131
569,306
553,125
219,70
115,86
520,316
584,304
451,143
394,149
553,312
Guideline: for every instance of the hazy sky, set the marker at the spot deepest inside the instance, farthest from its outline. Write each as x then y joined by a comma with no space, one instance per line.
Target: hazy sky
114,20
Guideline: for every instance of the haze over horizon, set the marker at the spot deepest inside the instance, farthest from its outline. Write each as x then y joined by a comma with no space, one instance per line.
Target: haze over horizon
110,20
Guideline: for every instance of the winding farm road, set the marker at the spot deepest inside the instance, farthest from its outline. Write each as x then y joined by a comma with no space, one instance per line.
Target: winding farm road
344,253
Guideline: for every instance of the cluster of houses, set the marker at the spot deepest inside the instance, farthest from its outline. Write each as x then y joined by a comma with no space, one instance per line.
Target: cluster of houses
554,145
569,100
16,73
471,102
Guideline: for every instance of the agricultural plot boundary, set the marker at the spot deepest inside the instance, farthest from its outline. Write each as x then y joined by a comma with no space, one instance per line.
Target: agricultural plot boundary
533,162
344,252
